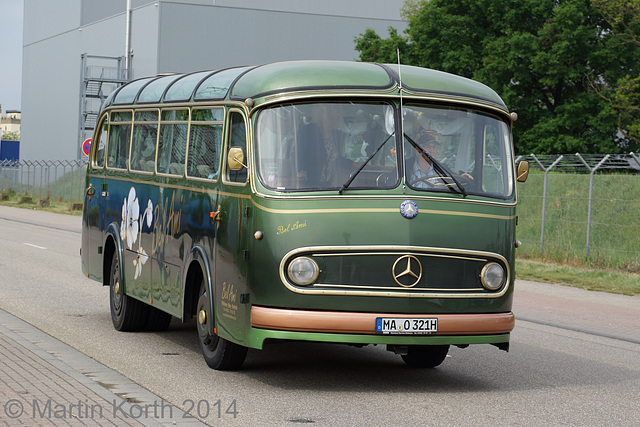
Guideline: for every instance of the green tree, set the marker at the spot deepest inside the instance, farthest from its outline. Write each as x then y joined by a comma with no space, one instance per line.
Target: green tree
540,56
624,18
374,48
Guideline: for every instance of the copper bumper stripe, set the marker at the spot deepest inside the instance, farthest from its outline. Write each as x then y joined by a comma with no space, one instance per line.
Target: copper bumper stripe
365,323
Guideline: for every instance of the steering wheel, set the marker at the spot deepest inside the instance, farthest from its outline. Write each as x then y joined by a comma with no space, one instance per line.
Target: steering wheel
429,180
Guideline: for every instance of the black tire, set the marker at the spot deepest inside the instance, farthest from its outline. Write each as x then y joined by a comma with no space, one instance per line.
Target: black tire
127,314
425,356
219,353
158,320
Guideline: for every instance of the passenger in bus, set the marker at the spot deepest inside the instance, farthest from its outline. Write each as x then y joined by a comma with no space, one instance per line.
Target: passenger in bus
320,143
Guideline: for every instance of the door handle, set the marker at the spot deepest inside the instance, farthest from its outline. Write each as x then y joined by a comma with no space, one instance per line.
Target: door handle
91,191
216,216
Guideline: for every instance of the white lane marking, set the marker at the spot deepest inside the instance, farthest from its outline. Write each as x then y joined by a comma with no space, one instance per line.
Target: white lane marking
35,246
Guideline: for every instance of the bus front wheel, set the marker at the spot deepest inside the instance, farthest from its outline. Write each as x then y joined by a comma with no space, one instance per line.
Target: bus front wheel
218,352
425,356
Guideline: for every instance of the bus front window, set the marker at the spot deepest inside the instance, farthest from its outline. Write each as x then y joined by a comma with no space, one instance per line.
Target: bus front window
321,146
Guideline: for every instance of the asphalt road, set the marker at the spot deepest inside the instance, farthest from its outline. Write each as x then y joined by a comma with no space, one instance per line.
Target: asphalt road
551,376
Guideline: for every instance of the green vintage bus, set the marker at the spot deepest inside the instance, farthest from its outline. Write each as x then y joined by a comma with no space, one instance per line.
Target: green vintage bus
297,201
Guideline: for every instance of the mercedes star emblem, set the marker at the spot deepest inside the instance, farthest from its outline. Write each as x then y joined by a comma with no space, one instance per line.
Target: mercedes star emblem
407,271
409,209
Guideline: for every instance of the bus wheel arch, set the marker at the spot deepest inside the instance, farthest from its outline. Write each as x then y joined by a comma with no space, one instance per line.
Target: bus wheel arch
194,277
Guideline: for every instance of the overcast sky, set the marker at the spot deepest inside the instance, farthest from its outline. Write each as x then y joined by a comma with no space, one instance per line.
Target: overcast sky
11,54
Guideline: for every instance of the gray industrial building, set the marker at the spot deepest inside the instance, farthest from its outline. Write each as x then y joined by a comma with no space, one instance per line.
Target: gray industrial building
75,51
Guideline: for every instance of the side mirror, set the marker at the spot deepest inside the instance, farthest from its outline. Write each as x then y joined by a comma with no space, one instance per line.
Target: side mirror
523,171
235,159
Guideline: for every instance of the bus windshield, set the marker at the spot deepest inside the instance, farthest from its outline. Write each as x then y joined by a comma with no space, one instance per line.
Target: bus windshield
335,145
318,146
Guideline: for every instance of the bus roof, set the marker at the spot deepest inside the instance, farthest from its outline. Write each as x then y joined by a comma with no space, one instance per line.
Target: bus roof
282,78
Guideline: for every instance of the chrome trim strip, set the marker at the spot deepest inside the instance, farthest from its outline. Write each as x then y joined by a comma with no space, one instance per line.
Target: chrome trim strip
380,210
392,289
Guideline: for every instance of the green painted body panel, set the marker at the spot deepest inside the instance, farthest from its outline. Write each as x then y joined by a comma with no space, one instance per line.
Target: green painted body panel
356,225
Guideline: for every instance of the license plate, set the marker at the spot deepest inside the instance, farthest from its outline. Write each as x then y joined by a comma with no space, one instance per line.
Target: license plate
394,325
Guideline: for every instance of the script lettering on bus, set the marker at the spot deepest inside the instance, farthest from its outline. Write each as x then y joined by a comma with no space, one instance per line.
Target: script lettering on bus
167,223
228,301
291,227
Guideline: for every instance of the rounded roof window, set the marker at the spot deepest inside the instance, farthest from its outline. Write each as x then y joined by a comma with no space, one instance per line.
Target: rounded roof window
153,91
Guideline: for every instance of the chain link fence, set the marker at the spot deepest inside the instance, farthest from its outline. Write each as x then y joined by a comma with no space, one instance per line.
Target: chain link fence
45,179
581,208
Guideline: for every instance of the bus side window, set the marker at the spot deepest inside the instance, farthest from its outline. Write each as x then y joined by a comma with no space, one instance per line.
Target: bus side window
98,159
143,148
237,138
119,140
172,143
204,148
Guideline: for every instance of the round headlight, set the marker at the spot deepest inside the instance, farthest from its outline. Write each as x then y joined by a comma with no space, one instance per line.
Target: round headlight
303,271
492,276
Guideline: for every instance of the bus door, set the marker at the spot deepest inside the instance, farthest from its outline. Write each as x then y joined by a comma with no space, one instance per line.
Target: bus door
231,259
94,205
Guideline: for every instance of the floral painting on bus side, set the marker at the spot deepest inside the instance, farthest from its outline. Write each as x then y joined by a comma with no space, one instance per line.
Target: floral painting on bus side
131,227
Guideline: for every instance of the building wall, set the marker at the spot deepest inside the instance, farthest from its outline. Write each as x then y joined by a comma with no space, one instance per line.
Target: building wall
171,36
218,37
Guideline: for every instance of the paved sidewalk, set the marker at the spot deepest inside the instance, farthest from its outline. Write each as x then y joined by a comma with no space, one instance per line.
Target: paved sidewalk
45,382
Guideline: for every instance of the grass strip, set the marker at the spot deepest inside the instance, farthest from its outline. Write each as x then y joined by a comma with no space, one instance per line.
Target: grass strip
593,279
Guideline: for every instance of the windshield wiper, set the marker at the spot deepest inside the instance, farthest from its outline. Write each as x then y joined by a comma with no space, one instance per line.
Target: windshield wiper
442,170
355,174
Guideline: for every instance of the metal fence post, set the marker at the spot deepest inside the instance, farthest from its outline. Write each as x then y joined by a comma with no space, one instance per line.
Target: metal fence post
16,175
544,195
592,172
55,183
